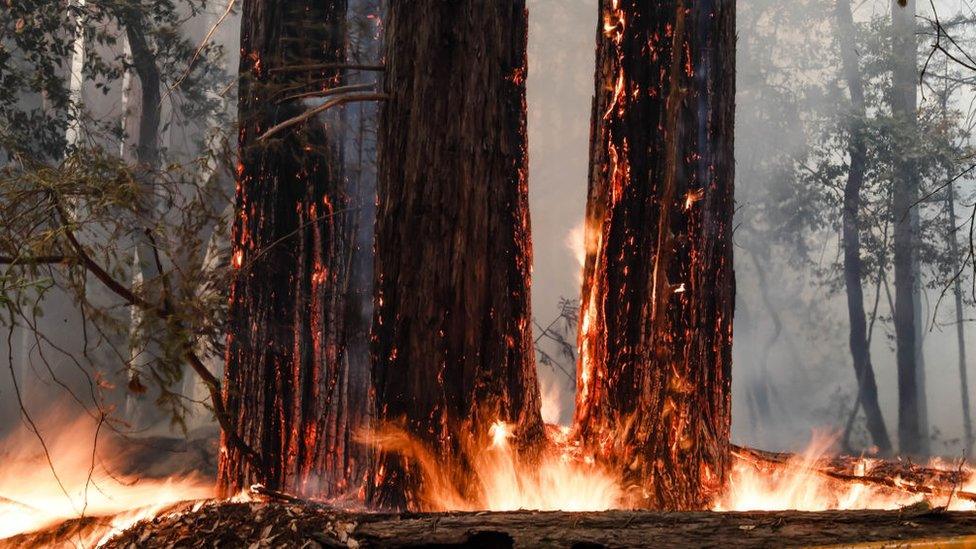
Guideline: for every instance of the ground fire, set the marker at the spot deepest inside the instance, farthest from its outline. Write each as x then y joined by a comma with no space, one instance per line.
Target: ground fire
332,306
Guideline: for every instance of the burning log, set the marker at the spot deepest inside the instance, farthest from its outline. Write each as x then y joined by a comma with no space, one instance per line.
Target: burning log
656,326
452,332
286,372
904,477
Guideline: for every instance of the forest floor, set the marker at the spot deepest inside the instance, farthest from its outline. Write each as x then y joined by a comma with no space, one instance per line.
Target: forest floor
259,524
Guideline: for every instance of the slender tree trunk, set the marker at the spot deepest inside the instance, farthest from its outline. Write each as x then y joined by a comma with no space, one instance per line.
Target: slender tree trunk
958,263
285,347
452,333
967,421
142,412
361,125
853,270
905,194
658,289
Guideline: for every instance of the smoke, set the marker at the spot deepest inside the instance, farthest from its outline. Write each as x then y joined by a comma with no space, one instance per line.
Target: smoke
791,368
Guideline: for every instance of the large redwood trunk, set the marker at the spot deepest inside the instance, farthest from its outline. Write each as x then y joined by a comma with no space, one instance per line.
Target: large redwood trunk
658,290
452,333
285,366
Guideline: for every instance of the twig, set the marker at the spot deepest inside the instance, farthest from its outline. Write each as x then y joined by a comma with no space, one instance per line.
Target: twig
212,383
341,100
34,260
325,66
199,49
329,92
261,490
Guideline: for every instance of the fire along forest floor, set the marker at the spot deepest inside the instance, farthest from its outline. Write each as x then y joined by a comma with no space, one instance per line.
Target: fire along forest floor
300,524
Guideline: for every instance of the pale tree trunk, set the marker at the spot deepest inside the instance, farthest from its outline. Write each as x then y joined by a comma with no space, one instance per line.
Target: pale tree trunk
141,409
967,421
76,79
911,432
958,266
853,267
653,391
452,329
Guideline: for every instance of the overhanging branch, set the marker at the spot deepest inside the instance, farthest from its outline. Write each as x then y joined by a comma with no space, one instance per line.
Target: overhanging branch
164,313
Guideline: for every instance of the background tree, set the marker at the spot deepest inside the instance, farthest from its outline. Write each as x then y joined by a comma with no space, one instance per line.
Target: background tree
853,266
912,418
57,64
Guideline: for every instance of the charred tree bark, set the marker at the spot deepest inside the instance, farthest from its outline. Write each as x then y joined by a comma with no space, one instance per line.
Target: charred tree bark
658,289
452,334
911,432
285,347
853,270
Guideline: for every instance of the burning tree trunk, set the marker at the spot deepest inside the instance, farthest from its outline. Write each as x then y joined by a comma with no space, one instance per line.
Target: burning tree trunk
853,271
658,290
911,429
285,347
452,337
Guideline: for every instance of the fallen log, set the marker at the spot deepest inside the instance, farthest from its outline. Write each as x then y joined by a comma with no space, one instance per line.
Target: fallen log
315,525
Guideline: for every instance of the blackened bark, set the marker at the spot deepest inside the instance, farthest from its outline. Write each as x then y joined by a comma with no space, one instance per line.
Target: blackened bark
853,270
452,334
285,346
911,437
658,289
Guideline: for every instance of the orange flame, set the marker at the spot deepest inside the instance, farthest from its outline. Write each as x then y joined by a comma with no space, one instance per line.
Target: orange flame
32,497
499,479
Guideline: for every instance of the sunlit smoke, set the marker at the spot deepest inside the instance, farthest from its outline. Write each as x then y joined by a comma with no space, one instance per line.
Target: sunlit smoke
80,480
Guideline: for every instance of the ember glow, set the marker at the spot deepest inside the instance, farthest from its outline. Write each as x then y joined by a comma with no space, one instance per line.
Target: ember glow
86,483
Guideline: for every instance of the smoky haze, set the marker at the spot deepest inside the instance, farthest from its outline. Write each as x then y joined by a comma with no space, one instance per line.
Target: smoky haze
791,319
791,324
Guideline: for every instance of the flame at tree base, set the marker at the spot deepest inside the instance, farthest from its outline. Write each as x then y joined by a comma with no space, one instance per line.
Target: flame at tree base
497,478
566,479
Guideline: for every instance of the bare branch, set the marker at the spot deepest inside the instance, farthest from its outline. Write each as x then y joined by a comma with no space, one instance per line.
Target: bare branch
340,100
329,92
326,66
35,260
